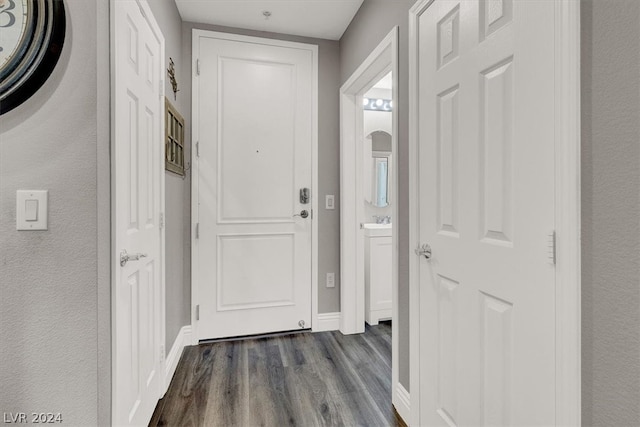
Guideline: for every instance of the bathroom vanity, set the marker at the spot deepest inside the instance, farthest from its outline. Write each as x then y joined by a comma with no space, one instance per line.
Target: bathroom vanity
378,253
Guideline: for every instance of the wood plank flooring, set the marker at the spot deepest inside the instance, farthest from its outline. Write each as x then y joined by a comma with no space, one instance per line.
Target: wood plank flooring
301,379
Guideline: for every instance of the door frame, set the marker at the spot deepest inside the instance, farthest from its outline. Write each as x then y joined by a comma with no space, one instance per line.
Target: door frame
195,250
115,268
567,211
382,60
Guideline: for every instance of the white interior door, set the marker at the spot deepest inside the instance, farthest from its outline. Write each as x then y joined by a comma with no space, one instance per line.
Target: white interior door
485,136
254,105
139,173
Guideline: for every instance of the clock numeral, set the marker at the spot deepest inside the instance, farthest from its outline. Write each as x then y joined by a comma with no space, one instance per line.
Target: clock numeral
6,11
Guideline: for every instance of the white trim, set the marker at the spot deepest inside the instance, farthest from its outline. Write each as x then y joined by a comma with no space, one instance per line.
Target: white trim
381,60
568,215
568,268
414,241
327,322
182,340
315,190
402,403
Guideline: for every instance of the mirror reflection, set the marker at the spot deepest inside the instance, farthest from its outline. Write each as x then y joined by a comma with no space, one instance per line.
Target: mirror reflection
377,153
380,154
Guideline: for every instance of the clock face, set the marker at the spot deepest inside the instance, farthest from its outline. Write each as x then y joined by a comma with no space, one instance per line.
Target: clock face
13,25
31,39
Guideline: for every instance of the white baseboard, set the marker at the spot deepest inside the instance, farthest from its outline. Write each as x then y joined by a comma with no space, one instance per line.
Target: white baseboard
327,322
171,363
402,403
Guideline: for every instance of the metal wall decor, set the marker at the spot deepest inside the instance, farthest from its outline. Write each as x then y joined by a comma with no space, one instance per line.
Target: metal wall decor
172,78
174,139
33,33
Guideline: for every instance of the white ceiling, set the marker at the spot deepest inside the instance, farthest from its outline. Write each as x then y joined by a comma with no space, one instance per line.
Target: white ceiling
325,19
385,83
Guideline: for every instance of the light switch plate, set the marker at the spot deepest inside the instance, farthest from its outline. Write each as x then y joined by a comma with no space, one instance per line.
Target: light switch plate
31,209
331,280
330,202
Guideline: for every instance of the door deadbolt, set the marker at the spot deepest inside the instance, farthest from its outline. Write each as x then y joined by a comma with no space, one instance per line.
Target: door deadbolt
304,196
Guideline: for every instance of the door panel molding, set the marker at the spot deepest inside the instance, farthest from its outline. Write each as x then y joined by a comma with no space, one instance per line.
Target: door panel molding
567,203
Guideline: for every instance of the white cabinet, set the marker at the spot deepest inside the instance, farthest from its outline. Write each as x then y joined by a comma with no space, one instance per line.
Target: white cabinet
378,273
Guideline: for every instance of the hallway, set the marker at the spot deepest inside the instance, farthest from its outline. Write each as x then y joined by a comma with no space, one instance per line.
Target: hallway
301,379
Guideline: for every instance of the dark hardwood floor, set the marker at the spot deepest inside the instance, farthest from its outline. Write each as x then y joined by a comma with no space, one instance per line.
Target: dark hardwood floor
301,379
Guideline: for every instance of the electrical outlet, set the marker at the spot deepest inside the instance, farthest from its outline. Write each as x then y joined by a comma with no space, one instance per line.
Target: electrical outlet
330,202
331,280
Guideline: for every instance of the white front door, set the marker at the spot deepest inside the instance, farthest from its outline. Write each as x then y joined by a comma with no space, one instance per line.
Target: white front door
253,102
138,171
485,140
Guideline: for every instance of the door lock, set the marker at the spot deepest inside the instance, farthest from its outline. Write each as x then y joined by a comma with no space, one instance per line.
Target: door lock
304,196
304,213
424,250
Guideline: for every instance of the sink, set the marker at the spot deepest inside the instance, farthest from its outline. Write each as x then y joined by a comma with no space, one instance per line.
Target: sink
377,230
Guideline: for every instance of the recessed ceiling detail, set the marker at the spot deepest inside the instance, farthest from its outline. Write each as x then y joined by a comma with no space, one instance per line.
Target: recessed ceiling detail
324,19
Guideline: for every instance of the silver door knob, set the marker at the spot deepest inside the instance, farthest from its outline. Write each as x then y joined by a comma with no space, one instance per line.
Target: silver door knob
125,257
303,214
424,250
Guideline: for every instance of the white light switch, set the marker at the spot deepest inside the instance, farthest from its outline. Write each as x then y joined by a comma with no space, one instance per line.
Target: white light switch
31,209
330,202
331,280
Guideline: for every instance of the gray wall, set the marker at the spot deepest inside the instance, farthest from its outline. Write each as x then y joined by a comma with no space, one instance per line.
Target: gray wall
328,149
371,24
611,212
178,188
54,285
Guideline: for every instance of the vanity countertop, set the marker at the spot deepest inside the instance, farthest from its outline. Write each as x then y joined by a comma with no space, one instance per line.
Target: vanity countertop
378,230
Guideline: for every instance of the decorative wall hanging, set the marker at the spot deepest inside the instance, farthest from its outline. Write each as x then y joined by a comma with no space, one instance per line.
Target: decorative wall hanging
172,78
174,139
33,34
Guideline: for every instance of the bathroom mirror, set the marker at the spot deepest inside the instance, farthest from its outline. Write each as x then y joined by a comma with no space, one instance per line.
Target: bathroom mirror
380,164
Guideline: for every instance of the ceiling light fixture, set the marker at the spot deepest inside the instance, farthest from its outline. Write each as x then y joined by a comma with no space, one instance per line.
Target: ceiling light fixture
266,14
377,104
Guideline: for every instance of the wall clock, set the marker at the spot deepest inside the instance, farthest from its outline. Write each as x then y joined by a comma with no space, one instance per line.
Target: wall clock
31,39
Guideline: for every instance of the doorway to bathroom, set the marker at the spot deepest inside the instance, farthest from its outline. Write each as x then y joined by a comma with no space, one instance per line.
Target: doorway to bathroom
368,196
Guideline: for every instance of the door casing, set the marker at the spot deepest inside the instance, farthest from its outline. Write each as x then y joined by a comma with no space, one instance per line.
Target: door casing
567,211
382,60
196,171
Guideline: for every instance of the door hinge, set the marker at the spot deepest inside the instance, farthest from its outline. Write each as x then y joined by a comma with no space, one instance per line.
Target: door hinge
198,312
161,220
197,230
552,247
311,213
161,353
198,149
197,67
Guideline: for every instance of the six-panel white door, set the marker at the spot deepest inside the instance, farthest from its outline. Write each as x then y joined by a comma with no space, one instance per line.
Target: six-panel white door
485,135
138,165
254,105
